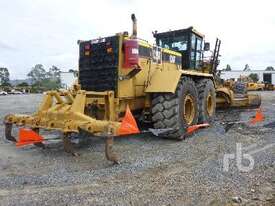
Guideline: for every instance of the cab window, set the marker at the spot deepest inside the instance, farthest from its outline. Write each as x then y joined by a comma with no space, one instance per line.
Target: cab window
196,52
193,42
179,46
175,43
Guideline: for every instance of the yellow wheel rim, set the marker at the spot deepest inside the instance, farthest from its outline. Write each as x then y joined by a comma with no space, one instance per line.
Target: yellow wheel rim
210,105
189,109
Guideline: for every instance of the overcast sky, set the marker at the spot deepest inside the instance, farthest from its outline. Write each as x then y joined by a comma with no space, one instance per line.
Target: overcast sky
46,31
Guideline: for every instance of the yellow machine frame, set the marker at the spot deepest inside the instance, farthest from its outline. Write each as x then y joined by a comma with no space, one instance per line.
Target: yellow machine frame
66,111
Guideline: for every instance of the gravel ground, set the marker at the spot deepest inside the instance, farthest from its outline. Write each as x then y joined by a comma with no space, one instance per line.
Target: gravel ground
153,171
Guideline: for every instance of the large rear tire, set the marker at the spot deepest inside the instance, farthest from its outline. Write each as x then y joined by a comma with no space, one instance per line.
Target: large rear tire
207,100
176,111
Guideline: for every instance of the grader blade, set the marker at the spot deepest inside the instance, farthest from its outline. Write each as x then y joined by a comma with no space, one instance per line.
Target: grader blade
226,98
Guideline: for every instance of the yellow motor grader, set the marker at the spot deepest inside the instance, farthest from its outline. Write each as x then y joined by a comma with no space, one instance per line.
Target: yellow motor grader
167,84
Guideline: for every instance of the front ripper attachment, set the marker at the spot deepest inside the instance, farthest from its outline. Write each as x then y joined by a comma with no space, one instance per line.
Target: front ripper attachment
109,150
66,112
8,135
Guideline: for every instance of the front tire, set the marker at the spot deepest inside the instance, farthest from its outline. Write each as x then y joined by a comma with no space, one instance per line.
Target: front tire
177,111
207,100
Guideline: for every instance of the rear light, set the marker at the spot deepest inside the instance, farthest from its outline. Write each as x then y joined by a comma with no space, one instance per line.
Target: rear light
110,50
87,47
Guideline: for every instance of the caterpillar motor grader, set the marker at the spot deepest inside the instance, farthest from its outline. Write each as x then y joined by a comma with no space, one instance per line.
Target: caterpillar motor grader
168,84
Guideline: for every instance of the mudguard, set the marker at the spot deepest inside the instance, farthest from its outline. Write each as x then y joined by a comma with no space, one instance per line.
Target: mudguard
163,81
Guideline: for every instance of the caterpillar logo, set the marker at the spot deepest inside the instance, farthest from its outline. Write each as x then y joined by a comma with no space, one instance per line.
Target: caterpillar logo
172,59
157,55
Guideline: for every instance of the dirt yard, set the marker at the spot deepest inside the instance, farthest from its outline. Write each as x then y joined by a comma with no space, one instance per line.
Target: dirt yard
153,171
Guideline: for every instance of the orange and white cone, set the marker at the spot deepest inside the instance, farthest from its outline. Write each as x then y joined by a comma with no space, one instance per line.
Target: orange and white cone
196,127
259,117
28,136
128,124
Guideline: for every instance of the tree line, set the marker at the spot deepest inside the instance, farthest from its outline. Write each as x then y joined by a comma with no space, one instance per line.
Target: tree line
247,68
253,76
4,76
45,79
40,79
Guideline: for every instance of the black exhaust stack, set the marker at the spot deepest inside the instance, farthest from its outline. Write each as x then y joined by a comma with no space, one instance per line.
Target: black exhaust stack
134,34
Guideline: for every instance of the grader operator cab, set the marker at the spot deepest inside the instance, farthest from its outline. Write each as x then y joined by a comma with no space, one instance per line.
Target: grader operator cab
192,47
168,85
188,42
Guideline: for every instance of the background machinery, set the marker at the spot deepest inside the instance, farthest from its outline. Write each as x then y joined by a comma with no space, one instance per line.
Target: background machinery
250,84
168,84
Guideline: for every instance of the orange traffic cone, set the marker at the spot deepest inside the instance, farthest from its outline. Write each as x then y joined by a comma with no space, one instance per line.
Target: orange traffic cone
128,124
259,117
193,128
28,136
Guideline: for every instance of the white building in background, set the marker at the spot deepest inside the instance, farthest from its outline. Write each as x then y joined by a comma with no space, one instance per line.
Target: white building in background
264,76
67,79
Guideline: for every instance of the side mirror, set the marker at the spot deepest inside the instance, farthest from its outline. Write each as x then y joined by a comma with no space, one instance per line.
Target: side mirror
206,46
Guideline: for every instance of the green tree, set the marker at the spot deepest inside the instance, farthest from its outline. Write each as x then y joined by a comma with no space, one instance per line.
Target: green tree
75,72
246,68
254,77
228,68
4,76
53,76
6,84
37,74
269,68
50,84
54,72
45,80
23,84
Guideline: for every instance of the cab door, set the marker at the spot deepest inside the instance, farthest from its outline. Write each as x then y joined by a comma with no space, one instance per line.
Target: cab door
196,53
